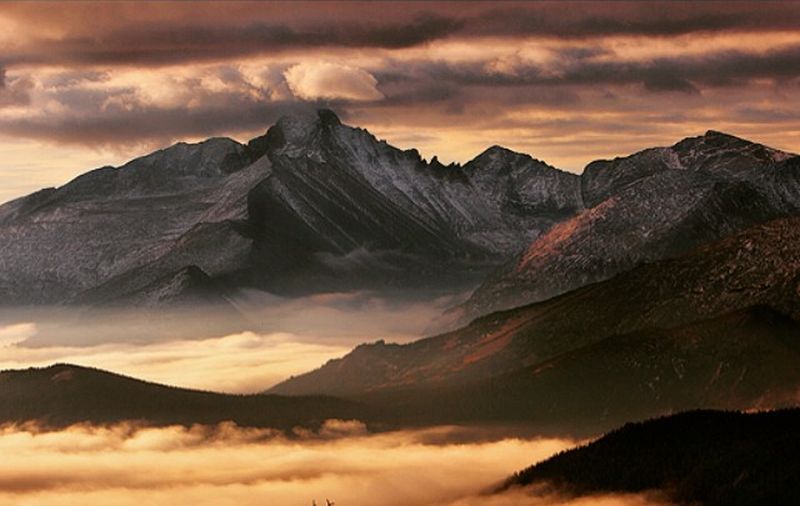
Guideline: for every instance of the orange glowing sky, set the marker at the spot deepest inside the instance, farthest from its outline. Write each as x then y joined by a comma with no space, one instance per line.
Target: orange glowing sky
85,84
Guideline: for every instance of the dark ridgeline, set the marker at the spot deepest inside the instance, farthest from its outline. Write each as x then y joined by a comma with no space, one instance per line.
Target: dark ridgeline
63,395
701,457
718,327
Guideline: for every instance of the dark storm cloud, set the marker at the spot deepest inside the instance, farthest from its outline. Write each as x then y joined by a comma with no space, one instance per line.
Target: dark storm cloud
212,32
662,19
108,116
72,78
14,91
151,124
681,73
768,114
168,44
418,93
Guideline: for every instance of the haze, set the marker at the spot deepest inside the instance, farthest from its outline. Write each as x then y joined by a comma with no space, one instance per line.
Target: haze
287,337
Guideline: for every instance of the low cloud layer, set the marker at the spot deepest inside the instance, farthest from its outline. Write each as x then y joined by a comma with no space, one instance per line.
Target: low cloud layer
226,465
296,336
238,363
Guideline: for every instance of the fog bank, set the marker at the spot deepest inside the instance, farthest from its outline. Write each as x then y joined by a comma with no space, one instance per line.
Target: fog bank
226,465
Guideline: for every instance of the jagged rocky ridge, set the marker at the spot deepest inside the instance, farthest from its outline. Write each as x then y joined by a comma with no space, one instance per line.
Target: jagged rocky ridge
312,205
716,327
315,205
654,204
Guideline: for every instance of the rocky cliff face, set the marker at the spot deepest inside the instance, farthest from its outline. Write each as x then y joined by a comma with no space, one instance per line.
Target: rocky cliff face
316,205
342,204
651,205
60,242
312,205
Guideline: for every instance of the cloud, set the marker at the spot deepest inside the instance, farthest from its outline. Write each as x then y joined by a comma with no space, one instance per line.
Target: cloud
155,108
296,336
655,19
326,80
126,464
14,91
568,85
237,363
141,109
129,464
566,68
151,109
167,34
148,127
155,43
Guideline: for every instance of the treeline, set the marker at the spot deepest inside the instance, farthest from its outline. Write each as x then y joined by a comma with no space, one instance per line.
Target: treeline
713,458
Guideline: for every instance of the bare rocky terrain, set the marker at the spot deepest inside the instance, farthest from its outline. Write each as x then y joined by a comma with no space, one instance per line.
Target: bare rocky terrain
313,205
651,205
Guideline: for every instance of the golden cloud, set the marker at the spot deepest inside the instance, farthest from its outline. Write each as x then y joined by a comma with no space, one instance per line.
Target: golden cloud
327,80
227,465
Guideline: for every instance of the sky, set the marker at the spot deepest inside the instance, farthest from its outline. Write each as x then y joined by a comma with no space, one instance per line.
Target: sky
87,84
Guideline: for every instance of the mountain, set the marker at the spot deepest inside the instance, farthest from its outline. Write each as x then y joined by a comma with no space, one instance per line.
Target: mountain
59,242
63,395
348,208
708,458
652,205
741,360
676,333
187,287
315,205
185,303
312,205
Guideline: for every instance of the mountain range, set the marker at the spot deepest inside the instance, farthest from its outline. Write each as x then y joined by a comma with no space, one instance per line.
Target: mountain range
652,205
661,281
313,205
716,327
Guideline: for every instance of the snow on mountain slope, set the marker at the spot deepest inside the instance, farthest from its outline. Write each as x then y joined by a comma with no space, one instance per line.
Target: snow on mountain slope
651,205
313,201
108,221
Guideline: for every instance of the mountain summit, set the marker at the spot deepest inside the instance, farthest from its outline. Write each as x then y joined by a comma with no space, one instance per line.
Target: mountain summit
654,204
315,205
312,205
